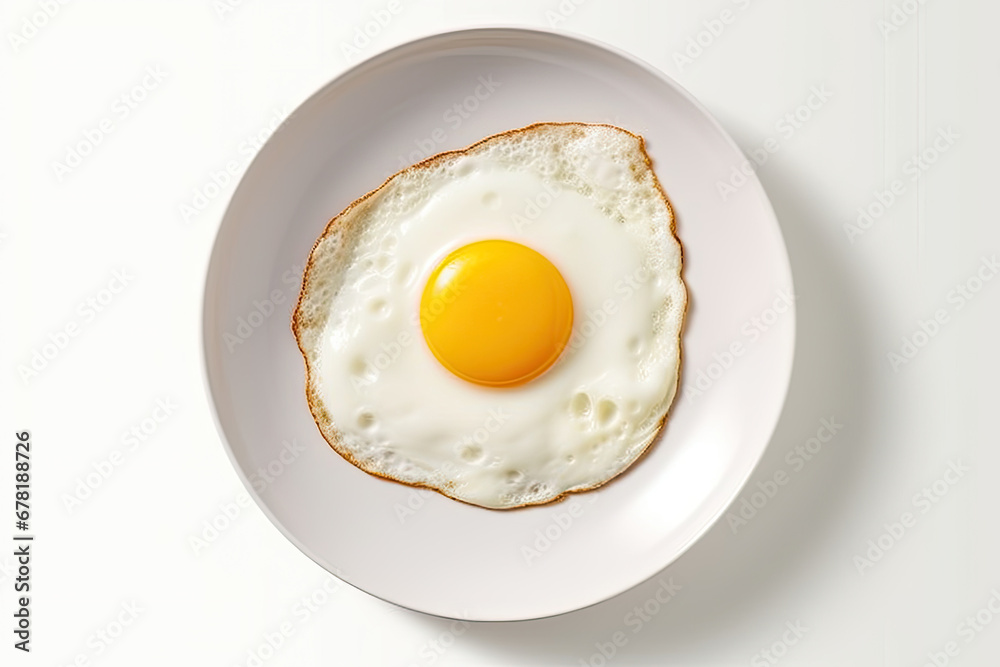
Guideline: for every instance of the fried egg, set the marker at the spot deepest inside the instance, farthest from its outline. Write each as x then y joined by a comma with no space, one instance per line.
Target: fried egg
501,323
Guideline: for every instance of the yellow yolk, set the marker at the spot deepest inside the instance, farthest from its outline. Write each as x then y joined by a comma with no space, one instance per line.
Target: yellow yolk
496,313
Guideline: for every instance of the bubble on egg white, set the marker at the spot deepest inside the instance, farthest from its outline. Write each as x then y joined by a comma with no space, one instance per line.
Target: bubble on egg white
379,307
580,405
491,200
464,167
359,366
471,453
513,476
635,346
407,272
366,419
607,411
383,263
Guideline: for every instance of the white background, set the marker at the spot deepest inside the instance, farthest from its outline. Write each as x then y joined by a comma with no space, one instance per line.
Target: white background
227,72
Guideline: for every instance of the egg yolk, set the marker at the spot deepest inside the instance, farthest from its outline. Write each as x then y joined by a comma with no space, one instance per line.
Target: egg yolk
496,313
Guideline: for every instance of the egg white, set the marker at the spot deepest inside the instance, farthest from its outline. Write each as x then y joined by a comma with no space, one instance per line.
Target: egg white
585,197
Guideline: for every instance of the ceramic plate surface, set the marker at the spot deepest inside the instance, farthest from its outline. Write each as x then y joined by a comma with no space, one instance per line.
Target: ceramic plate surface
417,548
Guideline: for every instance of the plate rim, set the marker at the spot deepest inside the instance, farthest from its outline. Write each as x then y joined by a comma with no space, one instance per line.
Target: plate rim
357,70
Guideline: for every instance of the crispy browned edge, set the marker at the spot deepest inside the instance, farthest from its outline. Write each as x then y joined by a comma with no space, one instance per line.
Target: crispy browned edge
315,404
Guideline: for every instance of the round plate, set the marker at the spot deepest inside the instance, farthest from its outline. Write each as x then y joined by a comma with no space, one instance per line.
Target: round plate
417,548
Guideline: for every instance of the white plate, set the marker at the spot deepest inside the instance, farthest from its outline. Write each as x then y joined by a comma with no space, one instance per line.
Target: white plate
422,550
